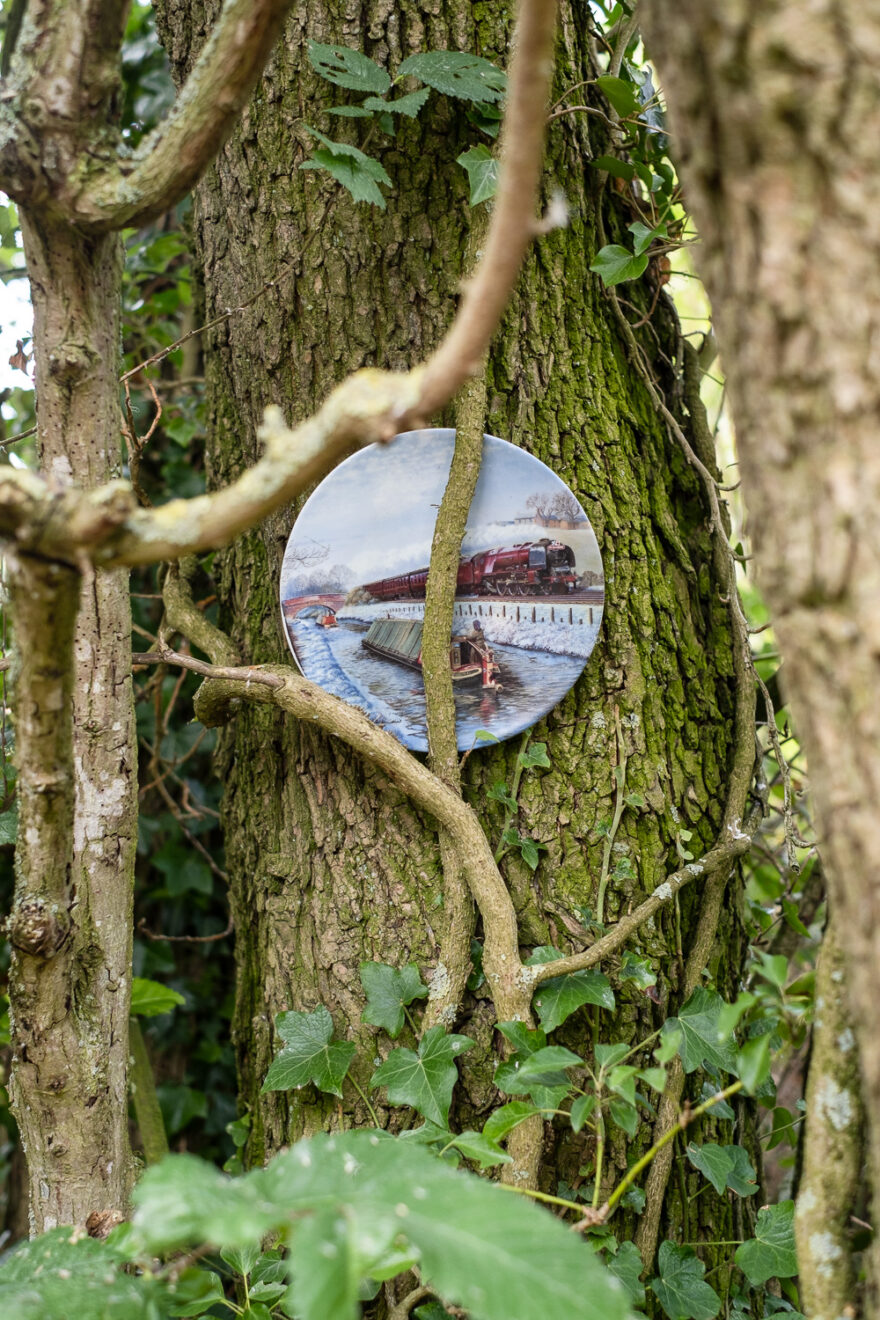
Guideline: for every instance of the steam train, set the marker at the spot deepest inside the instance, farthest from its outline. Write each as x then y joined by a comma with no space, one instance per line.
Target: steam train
531,568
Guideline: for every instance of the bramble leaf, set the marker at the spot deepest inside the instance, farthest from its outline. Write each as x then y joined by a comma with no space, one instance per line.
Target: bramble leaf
309,1053
424,1080
408,105
347,68
457,73
388,990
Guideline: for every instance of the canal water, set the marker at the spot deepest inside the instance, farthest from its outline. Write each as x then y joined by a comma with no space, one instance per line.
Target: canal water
393,695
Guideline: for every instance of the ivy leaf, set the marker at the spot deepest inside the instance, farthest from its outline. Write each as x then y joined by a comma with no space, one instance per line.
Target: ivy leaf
634,968
626,1265
720,1109
609,1055
681,1289
713,1161
482,172
424,1080
697,1023
621,95
388,989
457,73
770,1254
625,1115
655,1077
581,1111
618,169
558,998
310,1054
742,1177
615,265
149,998
643,236
347,68
481,1149
57,1275
753,1063
503,1120
535,754
409,105
527,1043
543,1068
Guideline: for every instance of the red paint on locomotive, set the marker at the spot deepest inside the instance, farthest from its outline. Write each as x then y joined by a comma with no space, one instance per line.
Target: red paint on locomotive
527,568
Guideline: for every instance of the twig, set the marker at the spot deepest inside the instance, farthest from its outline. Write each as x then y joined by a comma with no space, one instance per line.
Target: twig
144,930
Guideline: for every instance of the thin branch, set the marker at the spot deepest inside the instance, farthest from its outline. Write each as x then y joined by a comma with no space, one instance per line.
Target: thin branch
175,154
717,861
512,226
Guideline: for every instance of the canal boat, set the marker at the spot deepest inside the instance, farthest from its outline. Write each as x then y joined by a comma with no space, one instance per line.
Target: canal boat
472,661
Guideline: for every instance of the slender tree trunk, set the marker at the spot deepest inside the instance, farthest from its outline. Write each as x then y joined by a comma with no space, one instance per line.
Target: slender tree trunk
776,111
71,922
328,864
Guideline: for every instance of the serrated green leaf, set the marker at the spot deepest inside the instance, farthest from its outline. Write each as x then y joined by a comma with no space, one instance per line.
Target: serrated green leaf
388,990
350,173
697,1023
149,998
424,1080
309,1053
681,1289
456,73
753,1063
559,997
347,68
350,111
408,105
770,1254
621,95
615,265
503,1120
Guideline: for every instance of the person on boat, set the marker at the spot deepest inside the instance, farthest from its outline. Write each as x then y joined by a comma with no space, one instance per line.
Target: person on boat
476,636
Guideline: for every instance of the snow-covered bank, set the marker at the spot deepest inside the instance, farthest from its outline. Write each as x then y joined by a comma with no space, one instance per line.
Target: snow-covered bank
557,627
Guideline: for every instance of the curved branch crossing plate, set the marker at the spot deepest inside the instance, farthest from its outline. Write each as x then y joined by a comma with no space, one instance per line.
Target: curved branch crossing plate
529,596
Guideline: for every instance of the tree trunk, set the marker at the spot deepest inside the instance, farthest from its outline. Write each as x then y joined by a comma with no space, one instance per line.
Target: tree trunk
776,112
71,922
329,865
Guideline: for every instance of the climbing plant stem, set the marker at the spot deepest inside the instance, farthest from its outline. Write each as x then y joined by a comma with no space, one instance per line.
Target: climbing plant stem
620,776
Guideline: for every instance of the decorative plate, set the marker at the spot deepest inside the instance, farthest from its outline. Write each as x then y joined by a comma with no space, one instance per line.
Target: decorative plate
528,604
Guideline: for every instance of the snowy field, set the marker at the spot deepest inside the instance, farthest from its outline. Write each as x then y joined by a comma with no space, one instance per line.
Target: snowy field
500,623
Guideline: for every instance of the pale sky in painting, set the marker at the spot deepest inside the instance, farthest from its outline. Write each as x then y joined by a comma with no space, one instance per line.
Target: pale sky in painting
376,511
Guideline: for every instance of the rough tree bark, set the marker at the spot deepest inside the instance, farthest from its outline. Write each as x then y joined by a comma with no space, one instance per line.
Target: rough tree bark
328,864
775,112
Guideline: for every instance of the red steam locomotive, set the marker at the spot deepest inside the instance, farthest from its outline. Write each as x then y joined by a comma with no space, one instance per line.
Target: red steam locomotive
531,568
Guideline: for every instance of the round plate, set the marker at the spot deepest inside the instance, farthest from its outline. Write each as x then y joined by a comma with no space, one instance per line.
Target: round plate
528,602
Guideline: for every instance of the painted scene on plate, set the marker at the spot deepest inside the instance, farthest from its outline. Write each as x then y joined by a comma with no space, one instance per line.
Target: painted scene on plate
529,596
